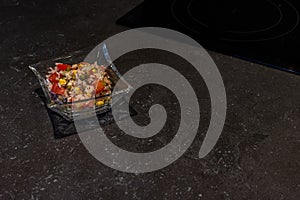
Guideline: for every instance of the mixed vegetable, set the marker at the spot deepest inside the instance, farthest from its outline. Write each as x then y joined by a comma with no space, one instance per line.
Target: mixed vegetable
77,82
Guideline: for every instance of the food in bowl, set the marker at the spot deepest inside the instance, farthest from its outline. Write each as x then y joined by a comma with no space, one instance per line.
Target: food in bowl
79,82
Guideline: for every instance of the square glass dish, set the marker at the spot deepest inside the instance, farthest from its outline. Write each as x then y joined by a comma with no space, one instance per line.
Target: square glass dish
65,109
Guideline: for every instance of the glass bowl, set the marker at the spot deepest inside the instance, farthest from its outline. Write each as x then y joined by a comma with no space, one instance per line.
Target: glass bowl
64,109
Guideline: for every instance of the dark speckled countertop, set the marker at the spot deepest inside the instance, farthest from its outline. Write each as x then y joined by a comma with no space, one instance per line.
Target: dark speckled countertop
257,156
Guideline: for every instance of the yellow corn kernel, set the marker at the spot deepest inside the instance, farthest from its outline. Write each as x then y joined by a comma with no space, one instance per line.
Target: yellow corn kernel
62,82
99,103
81,64
89,95
77,90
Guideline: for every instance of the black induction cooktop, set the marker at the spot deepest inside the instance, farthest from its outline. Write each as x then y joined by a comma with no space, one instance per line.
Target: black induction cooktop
261,31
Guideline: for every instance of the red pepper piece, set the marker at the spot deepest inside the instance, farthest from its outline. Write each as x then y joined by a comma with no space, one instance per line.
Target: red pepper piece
58,90
63,67
53,78
100,87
